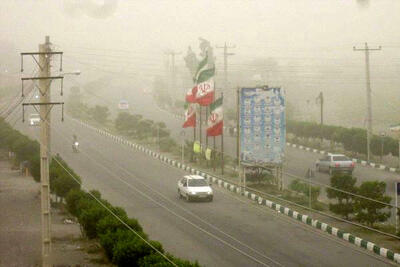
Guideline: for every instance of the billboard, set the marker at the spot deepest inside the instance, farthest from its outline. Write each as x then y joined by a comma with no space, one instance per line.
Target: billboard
262,125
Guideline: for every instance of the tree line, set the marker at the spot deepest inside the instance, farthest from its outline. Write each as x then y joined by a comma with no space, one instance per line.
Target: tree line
353,139
123,239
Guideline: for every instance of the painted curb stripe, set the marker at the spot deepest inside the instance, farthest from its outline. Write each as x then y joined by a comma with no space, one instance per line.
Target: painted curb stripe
277,207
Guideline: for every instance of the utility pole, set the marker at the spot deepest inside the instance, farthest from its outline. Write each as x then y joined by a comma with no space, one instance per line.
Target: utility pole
173,69
366,49
45,106
226,54
320,100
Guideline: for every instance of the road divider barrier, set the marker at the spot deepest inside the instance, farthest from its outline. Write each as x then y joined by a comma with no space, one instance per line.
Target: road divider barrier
258,199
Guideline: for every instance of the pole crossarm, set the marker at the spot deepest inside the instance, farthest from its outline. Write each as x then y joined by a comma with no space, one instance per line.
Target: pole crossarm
51,78
51,104
365,49
33,54
42,78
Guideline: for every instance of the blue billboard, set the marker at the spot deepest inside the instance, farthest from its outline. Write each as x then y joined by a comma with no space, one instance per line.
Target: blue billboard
262,125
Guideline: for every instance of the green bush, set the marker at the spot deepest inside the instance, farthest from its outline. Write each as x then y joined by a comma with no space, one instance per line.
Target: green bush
130,249
62,178
304,189
73,198
371,212
157,260
89,218
345,201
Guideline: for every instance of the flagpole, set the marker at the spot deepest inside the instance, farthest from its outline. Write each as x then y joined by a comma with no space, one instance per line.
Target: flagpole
237,135
396,209
206,134
222,141
194,139
214,150
200,129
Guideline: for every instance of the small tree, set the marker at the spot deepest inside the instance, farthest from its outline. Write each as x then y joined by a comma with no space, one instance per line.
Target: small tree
345,201
89,218
368,211
304,189
129,250
99,113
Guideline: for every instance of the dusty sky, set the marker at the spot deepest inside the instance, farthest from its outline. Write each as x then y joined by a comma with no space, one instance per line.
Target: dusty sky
313,37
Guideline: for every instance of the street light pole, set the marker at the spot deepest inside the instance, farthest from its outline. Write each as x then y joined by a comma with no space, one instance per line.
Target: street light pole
183,145
158,137
383,134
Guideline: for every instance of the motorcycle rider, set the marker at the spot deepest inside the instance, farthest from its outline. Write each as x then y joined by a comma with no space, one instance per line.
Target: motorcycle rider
75,143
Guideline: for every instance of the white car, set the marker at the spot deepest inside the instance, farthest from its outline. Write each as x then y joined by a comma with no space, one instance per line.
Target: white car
194,187
335,163
34,119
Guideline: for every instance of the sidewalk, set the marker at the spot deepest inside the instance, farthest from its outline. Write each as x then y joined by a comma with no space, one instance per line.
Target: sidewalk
20,227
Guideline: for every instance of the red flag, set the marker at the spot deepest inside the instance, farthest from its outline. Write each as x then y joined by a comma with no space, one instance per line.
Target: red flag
190,117
216,119
191,95
205,92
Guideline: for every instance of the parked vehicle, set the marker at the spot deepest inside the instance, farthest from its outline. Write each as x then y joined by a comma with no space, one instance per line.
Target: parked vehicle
34,119
335,163
193,187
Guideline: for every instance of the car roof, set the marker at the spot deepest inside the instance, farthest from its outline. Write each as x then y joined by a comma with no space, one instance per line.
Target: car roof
337,155
194,177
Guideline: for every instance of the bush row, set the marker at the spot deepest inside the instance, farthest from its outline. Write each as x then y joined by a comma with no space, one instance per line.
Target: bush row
122,238
352,139
24,148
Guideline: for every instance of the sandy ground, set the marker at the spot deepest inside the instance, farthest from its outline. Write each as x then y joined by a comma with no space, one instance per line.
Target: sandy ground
20,227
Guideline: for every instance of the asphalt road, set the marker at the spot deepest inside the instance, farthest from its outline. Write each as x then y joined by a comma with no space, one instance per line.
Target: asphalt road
230,231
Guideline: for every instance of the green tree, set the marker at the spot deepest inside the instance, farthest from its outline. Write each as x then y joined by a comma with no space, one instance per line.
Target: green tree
345,201
89,217
368,211
73,198
99,114
156,260
130,249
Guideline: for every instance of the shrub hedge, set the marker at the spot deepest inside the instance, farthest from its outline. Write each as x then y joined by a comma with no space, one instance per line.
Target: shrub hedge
352,139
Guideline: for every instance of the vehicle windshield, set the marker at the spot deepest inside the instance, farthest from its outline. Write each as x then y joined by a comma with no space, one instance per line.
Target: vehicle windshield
340,158
197,182
34,116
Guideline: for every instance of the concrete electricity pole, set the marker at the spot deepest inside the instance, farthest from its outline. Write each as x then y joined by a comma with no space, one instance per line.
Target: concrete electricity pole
173,69
226,54
45,106
366,49
320,100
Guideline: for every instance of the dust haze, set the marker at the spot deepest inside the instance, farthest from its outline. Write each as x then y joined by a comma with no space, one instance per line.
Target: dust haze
303,46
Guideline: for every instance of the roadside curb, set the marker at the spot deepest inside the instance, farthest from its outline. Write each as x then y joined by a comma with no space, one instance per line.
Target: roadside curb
256,198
